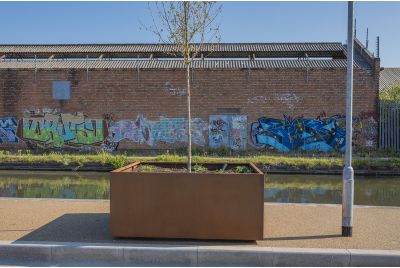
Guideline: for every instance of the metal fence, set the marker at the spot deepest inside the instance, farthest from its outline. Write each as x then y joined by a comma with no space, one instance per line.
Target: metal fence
389,125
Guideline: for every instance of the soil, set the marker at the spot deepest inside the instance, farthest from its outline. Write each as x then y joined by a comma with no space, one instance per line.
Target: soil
195,169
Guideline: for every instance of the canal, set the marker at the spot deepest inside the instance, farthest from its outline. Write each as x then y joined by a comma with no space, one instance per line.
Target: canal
321,189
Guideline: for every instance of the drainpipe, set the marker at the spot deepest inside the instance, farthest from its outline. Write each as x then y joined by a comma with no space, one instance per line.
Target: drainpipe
35,70
87,68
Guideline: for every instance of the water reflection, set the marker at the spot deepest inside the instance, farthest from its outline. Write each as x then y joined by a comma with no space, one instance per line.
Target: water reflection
374,191
50,184
323,189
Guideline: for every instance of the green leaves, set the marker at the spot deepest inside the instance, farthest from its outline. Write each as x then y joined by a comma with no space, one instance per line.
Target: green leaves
392,93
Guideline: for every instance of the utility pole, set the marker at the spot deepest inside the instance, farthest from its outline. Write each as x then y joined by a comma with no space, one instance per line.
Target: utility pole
348,172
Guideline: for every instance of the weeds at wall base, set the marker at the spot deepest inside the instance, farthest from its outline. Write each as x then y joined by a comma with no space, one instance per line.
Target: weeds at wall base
266,162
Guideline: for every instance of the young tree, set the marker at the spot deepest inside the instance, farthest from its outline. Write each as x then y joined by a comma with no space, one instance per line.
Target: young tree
186,26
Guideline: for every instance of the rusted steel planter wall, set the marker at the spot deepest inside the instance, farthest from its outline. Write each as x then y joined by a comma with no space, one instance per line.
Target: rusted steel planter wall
186,205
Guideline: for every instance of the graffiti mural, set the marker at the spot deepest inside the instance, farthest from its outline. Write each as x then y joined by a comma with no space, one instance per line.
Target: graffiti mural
53,129
227,131
289,134
108,143
323,133
63,129
218,135
238,135
199,128
168,130
366,130
8,129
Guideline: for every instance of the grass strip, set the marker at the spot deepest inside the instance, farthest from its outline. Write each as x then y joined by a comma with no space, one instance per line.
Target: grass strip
118,160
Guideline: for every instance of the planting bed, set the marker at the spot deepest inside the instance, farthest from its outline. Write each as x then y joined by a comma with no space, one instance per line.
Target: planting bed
163,200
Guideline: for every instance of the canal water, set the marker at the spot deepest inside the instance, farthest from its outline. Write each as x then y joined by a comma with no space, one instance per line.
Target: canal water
322,189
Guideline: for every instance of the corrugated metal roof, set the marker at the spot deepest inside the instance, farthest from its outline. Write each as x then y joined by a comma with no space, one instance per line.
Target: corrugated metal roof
327,49
177,64
249,47
389,77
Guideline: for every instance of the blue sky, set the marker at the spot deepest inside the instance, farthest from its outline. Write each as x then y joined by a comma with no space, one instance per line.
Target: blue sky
119,22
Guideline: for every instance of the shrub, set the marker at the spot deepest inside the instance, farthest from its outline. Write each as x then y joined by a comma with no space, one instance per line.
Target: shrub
392,93
147,168
199,168
118,161
242,169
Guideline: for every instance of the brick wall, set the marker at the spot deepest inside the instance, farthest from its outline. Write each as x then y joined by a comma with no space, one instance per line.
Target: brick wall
124,94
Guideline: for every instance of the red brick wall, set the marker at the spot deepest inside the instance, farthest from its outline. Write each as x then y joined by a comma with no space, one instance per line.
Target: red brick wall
125,93
119,92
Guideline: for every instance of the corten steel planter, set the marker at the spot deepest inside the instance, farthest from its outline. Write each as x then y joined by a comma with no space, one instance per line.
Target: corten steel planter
187,205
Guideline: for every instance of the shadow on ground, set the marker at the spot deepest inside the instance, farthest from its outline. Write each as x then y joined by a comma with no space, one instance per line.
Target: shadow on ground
79,227
302,237
93,228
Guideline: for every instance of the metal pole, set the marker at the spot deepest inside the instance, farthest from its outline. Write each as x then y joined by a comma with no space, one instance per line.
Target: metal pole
348,172
377,46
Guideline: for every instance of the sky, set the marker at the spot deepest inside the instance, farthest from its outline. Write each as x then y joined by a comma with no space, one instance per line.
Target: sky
120,22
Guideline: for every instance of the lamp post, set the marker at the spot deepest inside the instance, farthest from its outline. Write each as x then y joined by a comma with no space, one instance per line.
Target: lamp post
348,172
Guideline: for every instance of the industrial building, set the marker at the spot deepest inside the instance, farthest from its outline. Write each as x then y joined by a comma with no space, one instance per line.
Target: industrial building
245,96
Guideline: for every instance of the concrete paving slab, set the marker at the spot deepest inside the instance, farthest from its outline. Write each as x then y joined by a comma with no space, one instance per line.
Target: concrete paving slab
160,256
71,255
285,225
87,254
376,258
235,256
307,257
15,255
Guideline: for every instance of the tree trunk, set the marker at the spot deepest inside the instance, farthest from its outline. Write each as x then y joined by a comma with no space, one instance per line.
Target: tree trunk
189,152
187,62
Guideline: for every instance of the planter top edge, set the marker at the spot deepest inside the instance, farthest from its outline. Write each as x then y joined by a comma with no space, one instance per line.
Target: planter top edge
254,168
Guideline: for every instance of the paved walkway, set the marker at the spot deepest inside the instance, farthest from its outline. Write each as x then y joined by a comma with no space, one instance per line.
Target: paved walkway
286,225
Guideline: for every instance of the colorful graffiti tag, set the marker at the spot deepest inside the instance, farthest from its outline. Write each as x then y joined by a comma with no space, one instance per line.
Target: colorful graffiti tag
238,135
51,128
62,129
8,129
285,135
365,130
320,134
108,143
168,130
227,131
218,131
